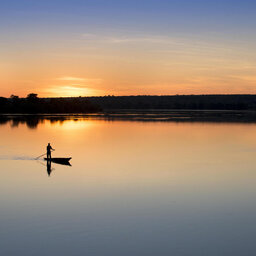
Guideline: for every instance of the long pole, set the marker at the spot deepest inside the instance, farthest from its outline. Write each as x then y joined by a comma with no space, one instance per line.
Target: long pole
40,156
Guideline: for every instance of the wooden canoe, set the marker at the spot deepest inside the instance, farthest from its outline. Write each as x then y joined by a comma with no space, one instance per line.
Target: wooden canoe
59,160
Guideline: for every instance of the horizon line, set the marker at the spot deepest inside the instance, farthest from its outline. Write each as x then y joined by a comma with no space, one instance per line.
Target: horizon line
142,95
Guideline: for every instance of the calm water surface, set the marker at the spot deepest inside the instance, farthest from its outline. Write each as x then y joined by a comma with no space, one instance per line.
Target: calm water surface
134,188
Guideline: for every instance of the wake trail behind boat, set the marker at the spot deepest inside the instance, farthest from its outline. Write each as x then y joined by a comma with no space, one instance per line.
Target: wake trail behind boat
17,158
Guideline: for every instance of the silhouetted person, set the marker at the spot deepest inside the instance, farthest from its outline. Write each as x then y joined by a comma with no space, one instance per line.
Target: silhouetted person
49,150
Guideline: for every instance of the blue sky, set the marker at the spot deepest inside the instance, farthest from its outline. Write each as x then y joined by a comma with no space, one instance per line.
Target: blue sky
152,15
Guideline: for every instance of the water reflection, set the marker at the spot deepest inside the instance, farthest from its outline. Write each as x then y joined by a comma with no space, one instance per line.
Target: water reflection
3,120
58,162
136,188
32,121
49,168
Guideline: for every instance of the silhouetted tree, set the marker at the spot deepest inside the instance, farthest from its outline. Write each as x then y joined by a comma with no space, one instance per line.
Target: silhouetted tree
3,105
14,97
32,96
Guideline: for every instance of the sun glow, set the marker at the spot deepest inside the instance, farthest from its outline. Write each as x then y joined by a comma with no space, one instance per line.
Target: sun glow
74,124
69,91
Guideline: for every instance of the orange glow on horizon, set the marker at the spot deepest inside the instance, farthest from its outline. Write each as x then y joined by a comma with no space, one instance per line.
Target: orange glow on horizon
131,66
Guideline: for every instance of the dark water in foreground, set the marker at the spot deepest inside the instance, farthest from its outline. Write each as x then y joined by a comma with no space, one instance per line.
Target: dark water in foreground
134,188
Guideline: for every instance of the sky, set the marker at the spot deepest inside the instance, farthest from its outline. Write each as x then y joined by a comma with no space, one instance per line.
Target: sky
116,47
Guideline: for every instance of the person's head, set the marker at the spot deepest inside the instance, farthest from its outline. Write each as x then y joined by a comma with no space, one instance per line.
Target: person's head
48,144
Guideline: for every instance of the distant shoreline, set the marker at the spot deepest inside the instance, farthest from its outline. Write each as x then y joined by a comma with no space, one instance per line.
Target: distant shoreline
34,105
136,115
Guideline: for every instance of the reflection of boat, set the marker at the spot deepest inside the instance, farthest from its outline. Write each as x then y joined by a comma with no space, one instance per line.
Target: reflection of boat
59,160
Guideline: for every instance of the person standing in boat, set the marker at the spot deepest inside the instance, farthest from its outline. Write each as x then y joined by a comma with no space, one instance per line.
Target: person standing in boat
49,150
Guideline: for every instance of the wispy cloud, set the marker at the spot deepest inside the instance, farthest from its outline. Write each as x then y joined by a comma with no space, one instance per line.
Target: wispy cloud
70,78
80,79
248,78
132,39
143,39
193,46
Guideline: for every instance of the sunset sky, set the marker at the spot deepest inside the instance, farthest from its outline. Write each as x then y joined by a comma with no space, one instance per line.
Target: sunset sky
155,47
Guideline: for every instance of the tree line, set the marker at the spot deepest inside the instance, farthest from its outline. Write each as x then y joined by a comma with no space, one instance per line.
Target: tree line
34,105
186,102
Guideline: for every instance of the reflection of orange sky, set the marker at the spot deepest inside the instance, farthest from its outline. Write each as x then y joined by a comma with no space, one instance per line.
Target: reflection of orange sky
155,141
121,155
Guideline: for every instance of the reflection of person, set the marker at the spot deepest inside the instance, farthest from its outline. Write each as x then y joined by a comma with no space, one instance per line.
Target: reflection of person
49,167
49,150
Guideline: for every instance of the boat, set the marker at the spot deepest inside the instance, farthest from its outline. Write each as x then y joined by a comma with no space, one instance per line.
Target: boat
59,160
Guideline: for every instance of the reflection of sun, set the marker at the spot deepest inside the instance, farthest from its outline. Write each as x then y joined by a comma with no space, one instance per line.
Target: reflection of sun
76,125
72,129
71,125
